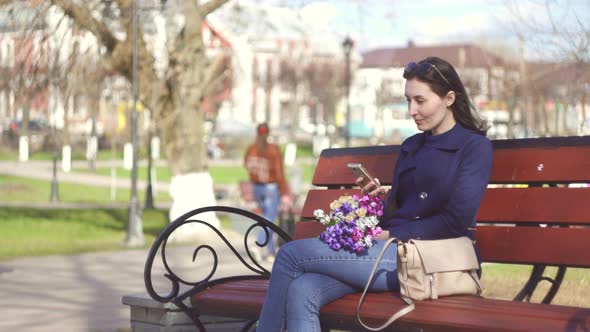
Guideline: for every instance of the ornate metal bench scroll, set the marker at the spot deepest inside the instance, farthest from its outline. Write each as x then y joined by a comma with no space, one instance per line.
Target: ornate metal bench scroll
177,297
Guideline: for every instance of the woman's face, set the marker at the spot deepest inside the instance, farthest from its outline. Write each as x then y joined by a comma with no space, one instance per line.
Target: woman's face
429,111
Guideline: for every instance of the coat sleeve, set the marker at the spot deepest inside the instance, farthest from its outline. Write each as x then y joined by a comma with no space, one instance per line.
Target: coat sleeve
466,194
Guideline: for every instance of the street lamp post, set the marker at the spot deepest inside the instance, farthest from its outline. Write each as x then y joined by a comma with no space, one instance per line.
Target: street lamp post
149,195
54,186
347,46
134,236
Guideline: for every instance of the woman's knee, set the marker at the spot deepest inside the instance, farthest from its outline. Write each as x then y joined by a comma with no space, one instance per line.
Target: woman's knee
310,291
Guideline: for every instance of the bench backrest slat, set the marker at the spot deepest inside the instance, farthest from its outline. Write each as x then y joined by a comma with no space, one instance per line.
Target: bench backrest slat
529,180
533,160
535,205
529,245
331,169
542,165
499,205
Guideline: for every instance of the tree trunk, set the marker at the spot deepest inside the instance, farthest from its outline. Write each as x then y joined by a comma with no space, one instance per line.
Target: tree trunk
511,104
583,101
191,185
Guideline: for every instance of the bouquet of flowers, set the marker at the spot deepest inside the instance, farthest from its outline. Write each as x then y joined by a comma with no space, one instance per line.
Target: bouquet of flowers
352,222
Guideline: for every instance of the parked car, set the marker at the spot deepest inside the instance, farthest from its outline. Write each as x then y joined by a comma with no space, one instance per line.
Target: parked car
34,126
38,133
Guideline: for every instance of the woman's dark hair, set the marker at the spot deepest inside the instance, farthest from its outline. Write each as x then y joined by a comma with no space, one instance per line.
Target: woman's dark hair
442,78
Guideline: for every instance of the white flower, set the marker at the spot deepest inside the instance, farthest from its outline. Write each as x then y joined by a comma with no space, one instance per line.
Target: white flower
325,220
372,221
367,221
319,213
368,240
361,225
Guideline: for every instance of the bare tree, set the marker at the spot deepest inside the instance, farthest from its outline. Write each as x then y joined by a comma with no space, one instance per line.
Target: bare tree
175,98
26,76
325,81
384,97
557,32
290,78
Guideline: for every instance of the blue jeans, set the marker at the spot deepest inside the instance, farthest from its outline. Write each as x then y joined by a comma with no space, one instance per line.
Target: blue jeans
268,198
307,274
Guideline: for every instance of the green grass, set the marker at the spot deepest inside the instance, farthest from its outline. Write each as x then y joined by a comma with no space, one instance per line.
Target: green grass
221,174
19,189
162,173
39,155
504,281
39,232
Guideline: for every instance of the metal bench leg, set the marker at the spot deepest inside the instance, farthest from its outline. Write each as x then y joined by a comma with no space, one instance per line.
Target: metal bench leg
555,284
526,293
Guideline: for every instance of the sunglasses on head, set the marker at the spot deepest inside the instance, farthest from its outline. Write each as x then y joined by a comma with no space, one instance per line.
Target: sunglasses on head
423,69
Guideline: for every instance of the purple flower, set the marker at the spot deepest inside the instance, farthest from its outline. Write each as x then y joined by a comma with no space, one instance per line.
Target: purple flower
342,230
335,245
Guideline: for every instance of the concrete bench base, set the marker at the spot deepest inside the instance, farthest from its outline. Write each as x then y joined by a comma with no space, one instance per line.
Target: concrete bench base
148,315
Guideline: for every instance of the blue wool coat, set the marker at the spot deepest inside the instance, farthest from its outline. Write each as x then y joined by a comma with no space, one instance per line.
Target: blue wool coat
450,188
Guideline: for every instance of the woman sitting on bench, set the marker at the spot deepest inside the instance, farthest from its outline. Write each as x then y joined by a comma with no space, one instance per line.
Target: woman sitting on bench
438,183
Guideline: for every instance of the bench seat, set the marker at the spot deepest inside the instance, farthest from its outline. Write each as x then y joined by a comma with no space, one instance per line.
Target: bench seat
535,213
244,299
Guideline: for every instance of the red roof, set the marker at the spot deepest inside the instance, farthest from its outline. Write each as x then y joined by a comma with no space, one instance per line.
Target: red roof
545,75
458,55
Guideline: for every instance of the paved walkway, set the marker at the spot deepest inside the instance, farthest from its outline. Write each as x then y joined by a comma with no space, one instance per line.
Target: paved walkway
69,293
77,293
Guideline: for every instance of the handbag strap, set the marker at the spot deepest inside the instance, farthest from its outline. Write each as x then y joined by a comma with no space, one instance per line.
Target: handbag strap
473,275
396,315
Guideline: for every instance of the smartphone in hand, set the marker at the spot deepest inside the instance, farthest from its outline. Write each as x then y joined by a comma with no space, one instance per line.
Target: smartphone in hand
358,170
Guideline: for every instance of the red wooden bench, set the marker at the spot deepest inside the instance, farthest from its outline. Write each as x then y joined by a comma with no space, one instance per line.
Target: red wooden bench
545,223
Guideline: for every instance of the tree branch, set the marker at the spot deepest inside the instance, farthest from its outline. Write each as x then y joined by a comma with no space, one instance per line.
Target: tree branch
211,6
82,16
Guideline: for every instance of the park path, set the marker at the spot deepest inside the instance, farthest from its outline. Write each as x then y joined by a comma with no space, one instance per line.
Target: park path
80,293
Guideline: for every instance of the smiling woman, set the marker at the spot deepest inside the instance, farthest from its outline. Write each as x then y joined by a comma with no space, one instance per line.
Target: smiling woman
438,182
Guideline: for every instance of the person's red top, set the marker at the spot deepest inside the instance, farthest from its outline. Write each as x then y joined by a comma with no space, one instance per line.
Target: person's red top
266,166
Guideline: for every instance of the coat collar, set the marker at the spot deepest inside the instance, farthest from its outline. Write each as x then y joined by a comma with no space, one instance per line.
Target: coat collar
452,140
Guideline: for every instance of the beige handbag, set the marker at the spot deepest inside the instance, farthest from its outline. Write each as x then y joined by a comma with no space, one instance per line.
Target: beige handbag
427,269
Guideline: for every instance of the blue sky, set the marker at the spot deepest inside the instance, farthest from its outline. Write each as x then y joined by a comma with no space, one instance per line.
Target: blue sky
383,23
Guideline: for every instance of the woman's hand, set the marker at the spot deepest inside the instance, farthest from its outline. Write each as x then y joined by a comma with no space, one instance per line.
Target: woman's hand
384,235
372,188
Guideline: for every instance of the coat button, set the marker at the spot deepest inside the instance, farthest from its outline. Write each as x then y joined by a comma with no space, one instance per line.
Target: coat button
423,195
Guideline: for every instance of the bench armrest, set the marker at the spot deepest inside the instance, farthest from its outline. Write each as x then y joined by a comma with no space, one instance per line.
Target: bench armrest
244,255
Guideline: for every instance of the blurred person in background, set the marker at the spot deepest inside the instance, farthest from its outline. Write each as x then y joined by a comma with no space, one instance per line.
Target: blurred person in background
265,167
